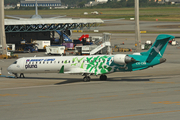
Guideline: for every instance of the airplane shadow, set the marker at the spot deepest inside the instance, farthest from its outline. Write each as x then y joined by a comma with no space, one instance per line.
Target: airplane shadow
79,79
129,80
97,79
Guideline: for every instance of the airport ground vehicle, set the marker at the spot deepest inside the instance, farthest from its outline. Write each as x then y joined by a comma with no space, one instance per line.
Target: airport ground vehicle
42,44
173,42
55,50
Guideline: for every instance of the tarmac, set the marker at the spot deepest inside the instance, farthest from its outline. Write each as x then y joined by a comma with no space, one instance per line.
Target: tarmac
148,94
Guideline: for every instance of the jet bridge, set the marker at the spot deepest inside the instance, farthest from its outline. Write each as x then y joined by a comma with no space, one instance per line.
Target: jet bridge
48,24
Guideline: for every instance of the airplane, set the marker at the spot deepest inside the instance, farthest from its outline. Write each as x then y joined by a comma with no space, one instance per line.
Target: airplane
93,64
36,16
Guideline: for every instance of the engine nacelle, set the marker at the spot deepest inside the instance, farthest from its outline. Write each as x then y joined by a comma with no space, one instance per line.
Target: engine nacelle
123,59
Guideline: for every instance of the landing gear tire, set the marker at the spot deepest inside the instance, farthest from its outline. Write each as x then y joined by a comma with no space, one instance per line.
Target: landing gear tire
22,74
86,79
103,77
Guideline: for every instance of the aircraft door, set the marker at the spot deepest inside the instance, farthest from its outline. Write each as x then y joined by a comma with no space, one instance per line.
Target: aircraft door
21,64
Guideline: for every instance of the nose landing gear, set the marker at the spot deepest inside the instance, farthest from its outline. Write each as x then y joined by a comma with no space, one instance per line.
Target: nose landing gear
22,74
16,75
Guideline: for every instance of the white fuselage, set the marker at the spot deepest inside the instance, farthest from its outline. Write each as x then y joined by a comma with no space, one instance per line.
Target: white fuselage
72,64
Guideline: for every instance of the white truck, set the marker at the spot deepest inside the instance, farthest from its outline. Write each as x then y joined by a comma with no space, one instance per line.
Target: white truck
42,44
55,50
10,47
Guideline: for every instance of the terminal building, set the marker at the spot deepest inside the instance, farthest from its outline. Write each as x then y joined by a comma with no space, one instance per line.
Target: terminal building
42,3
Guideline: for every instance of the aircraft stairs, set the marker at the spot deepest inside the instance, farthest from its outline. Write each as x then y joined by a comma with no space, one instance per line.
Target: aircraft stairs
102,45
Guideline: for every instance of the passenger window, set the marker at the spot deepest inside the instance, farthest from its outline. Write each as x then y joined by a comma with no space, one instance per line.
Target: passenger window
43,62
58,61
39,62
72,61
51,61
62,61
69,61
54,61
47,62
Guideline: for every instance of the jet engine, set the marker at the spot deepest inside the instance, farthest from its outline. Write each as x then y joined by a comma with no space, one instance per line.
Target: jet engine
123,59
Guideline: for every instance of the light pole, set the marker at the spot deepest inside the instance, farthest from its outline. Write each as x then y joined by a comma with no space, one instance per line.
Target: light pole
137,29
2,31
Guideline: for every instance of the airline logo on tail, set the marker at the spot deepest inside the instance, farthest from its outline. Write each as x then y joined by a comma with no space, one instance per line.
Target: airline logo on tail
157,49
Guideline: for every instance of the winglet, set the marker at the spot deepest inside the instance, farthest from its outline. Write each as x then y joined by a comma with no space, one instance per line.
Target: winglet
62,69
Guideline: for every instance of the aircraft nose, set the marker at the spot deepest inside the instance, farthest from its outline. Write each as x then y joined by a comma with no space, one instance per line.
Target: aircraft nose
9,69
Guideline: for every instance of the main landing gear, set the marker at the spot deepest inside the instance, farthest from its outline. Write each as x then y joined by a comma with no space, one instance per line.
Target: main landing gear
87,78
103,77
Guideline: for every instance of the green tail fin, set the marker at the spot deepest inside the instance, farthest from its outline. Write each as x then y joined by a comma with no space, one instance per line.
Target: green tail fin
158,48
62,69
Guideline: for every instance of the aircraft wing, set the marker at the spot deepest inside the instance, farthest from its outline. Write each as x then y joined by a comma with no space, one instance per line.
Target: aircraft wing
57,17
14,17
74,71
113,19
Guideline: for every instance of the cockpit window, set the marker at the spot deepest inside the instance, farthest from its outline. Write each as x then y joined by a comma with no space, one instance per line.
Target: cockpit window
15,62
